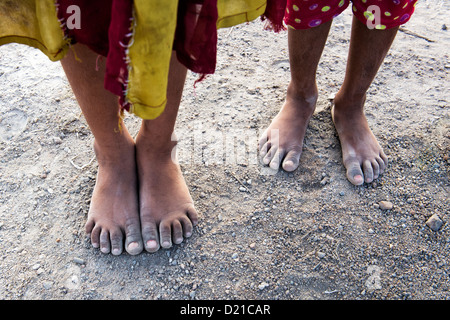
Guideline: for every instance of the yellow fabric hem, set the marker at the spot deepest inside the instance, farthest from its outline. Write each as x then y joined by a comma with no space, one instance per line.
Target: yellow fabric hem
147,112
33,23
53,56
236,19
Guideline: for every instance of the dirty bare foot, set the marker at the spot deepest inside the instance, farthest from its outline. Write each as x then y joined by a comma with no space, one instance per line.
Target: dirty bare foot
166,208
282,142
362,156
113,218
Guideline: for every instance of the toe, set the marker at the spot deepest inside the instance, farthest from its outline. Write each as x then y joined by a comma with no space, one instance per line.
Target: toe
263,151
105,244
165,234
384,158
177,232
263,141
376,169
150,237
354,173
381,164
192,215
89,226
187,226
276,159
368,171
269,155
95,236
292,159
133,242
116,236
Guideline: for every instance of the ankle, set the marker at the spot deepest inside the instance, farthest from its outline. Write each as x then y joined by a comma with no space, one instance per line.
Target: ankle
307,93
304,97
349,103
351,97
117,151
157,145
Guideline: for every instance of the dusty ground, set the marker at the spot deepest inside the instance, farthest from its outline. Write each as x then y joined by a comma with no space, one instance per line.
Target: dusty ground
306,235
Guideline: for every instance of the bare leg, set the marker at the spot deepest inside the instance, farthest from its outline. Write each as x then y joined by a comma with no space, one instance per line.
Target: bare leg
166,208
113,218
282,143
362,156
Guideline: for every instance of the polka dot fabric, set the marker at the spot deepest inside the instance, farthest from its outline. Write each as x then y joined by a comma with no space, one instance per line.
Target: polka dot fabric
376,14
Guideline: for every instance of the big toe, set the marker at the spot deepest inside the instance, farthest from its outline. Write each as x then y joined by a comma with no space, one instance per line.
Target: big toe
354,173
292,159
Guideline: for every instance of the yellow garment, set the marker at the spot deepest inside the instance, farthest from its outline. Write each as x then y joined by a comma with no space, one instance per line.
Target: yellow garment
35,23
150,55
234,12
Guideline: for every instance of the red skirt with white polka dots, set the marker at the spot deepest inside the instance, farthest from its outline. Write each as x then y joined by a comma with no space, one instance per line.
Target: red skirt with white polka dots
376,14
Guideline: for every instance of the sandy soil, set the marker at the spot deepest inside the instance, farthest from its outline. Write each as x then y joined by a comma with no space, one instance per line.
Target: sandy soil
305,235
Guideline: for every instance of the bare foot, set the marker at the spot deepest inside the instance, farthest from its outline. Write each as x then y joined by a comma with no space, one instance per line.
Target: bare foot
113,218
282,142
166,208
362,156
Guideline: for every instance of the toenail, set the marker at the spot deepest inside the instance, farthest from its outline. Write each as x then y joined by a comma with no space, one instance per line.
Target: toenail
188,234
116,251
133,245
289,163
166,244
152,244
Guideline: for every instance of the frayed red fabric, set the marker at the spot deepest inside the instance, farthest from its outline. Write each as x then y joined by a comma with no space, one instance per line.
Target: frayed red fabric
274,15
119,37
95,22
196,35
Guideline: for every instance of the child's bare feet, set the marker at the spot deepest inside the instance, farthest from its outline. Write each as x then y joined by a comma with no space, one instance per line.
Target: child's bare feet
113,218
362,156
166,208
282,142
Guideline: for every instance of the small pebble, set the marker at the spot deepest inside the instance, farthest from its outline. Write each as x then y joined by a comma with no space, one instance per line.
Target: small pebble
320,254
242,189
434,222
386,205
263,285
57,140
78,260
